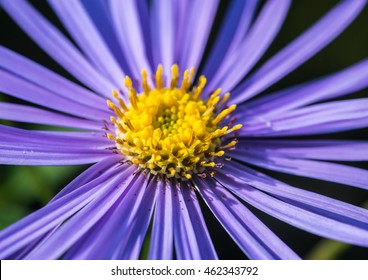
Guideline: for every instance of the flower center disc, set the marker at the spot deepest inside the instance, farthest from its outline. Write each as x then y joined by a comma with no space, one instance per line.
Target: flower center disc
170,130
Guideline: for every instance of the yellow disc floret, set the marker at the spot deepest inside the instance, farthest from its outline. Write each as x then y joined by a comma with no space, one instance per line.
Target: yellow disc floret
170,130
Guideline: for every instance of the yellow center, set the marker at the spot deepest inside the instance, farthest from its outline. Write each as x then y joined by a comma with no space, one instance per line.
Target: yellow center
170,130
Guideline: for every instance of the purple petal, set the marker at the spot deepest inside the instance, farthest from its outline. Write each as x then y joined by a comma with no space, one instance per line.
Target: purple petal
99,13
205,244
88,175
117,224
131,245
128,213
125,17
74,147
186,246
181,22
144,17
15,136
28,114
41,76
298,217
28,91
76,20
333,172
310,116
264,129
321,113
33,157
163,22
309,149
82,247
252,236
21,254
341,210
235,24
93,245
43,148
36,224
199,22
191,237
56,45
300,50
347,81
161,243
255,44
66,235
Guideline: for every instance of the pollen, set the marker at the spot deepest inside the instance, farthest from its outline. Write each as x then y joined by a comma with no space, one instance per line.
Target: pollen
171,131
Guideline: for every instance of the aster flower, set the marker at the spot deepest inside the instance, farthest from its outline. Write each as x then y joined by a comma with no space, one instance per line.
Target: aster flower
170,137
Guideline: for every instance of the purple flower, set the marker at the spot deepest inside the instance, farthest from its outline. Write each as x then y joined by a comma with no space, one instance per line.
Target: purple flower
169,141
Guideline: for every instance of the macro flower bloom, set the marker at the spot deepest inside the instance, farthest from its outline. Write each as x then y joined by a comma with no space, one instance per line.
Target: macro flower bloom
163,137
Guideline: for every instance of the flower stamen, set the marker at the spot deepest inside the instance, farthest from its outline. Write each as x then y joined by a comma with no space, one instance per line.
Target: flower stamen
171,131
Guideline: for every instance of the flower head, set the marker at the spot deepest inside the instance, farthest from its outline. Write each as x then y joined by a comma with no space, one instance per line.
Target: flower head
171,132
170,137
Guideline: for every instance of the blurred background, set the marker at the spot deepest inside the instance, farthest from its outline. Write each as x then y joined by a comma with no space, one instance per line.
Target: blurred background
24,189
